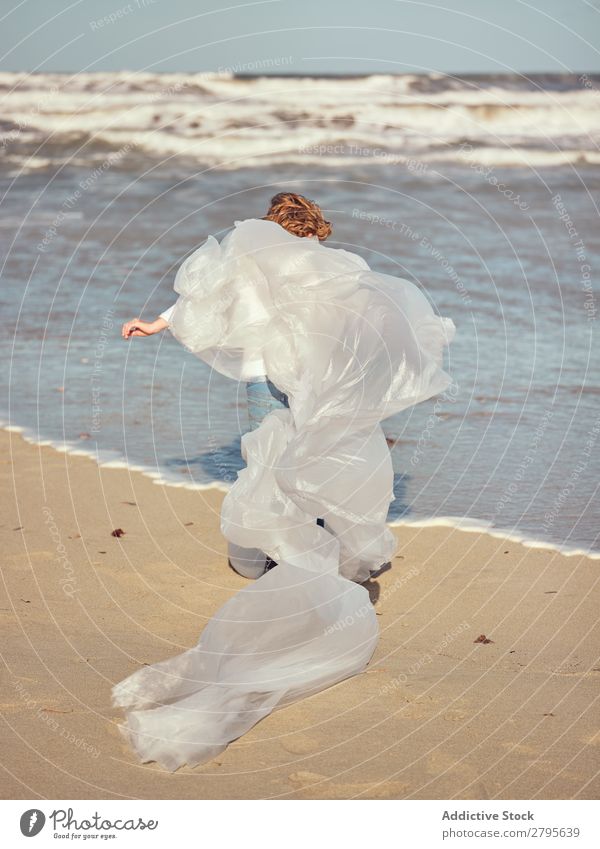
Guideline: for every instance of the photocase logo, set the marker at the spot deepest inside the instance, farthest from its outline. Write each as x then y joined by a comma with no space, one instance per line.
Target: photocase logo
32,822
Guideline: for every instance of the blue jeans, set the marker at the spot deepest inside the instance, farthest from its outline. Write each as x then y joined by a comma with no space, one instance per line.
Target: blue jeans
263,397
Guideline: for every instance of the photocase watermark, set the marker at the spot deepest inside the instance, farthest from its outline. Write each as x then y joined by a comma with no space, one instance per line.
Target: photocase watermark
424,660
121,13
106,326
449,394
576,472
69,580
256,65
443,261
32,822
23,123
513,487
73,199
46,716
95,823
373,218
376,153
169,91
364,609
224,472
489,176
585,269
424,242
588,83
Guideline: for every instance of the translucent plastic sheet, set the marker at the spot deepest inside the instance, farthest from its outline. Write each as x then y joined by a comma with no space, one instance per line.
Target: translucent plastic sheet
349,347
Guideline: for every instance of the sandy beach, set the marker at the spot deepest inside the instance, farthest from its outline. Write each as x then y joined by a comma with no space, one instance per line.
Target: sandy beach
438,714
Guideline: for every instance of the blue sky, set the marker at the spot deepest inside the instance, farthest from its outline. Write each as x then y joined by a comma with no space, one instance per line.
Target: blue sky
301,36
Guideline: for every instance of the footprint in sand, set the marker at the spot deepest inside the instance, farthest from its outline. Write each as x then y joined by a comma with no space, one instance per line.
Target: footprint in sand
325,788
304,777
439,762
301,744
454,715
572,666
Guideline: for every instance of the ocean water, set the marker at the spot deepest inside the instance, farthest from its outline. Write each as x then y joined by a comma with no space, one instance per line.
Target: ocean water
483,190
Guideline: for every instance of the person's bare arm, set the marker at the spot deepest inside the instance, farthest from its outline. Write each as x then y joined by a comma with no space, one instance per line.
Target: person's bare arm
137,327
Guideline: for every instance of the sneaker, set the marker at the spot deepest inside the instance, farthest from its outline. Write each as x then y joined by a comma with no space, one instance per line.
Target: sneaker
252,570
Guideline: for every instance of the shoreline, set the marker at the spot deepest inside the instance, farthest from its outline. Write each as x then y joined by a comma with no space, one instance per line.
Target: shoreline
466,524
482,686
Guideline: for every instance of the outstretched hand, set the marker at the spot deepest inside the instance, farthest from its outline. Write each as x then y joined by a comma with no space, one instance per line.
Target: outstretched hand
137,327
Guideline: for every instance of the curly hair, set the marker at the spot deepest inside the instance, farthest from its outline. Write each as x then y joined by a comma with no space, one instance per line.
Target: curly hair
298,215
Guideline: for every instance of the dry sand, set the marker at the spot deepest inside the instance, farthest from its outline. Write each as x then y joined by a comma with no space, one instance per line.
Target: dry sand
436,716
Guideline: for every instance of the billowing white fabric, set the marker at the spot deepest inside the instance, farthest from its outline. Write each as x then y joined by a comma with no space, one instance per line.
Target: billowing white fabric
349,347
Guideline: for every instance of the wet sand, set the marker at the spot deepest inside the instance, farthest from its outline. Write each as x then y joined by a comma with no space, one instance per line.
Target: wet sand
437,715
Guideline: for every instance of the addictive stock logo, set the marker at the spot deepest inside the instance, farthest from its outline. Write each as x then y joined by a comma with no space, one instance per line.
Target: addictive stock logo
32,822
